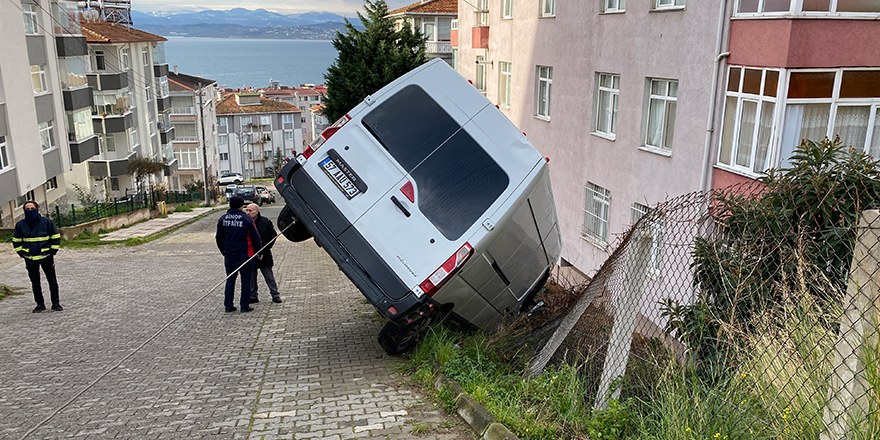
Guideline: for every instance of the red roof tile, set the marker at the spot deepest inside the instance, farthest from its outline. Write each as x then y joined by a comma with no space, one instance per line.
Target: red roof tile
228,105
429,7
99,31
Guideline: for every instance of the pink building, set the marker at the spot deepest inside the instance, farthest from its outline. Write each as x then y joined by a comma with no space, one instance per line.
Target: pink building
635,101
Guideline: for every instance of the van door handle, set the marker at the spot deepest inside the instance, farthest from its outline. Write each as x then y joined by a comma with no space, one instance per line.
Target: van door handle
400,205
500,274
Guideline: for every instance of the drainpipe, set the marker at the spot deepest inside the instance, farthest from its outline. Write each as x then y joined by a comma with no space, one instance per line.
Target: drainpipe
723,21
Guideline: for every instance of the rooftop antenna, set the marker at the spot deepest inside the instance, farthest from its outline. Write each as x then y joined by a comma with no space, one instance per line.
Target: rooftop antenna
111,11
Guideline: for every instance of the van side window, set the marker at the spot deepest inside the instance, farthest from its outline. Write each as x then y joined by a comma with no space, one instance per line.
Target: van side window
457,180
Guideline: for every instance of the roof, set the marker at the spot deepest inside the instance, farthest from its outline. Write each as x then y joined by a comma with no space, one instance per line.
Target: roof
319,109
228,106
180,82
429,7
99,31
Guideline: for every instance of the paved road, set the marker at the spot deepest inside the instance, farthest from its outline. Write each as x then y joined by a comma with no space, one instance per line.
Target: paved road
139,353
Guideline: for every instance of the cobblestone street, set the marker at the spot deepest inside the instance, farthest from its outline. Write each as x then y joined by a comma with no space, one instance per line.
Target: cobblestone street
137,354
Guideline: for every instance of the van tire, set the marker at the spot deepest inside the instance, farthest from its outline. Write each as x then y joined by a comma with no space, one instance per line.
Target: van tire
396,339
297,231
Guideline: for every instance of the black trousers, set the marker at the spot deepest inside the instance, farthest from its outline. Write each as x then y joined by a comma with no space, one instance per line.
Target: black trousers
33,270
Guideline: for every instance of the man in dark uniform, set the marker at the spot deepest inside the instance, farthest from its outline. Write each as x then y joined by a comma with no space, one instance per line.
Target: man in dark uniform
37,240
238,240
265,263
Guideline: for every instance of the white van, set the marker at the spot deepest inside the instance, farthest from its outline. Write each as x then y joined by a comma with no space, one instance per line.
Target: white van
430,201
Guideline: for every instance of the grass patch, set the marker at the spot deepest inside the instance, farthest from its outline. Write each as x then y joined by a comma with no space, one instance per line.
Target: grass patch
6,291
184,208
421,428
6,238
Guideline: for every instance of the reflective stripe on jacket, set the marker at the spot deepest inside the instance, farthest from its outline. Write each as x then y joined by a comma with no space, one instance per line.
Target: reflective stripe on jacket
38,241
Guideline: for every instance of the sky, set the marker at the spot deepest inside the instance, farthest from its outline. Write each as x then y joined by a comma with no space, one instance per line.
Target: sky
343,7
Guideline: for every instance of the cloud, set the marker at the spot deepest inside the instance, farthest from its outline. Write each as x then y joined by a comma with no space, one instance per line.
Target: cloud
343,7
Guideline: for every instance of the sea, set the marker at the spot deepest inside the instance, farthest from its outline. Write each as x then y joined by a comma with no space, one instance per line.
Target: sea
235,63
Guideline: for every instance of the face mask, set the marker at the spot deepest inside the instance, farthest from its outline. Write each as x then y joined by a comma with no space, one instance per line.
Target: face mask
32,216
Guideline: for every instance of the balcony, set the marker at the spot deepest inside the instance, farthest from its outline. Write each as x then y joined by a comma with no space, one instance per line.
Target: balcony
171,167
108,80
163,103
71,46
77,99
166,132
438,47
83,149
113,123
110,168
183,110
189,165
480,37
160,70
185,140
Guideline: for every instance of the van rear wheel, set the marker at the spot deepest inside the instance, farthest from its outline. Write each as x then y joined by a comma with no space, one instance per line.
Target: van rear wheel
296,231
396,339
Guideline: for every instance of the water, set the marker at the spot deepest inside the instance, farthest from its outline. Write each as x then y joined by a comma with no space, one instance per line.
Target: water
251,62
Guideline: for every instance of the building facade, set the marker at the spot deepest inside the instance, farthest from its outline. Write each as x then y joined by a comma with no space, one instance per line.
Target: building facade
252,131
45,100
194,128
433,18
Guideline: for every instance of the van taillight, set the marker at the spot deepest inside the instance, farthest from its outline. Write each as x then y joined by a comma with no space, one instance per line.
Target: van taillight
440,276
329,131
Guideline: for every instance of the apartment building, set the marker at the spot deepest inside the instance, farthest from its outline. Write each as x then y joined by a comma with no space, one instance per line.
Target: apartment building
305,96
433,18
45,101
251,128
129,75
636,101
193,128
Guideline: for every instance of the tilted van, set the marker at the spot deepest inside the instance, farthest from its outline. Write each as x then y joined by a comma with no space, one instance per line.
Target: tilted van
430,201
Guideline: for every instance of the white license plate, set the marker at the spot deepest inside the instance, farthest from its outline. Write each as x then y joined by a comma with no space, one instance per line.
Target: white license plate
339,178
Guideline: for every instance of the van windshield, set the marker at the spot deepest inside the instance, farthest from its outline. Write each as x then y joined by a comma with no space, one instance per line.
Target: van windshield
457,180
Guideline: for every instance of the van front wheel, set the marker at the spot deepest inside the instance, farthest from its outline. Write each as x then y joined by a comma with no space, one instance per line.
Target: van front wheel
296,231
396,339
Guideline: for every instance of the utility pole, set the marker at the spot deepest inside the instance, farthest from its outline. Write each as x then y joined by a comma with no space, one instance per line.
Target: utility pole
204,148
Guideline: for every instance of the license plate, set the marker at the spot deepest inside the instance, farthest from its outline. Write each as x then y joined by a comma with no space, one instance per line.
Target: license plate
339,178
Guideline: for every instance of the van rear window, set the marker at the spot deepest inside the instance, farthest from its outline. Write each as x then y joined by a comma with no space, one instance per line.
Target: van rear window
457,180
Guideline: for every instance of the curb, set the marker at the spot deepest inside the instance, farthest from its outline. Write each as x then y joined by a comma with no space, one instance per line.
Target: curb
477,417
181,224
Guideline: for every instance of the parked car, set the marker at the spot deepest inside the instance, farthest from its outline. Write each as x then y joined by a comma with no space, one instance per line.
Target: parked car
249,194
228,178
265,194
431,202
230,190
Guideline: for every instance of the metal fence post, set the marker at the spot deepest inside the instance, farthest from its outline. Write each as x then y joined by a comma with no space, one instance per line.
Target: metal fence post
627,310
58,216
116,205
848,391
73,214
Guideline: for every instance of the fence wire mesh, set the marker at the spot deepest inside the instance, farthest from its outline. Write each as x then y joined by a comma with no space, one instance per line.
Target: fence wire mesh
725,313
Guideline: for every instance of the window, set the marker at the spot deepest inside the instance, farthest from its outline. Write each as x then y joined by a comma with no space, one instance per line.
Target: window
46,140
133,137
245,121
126,58
427,142
597,203
266,120
505,83
114,184
29,12
548,8
807,6
841,103
654,227
607,95
506,9
481,13
429,30
21,200
221,121
110,142
223,139
288,135
224,156
662,97
543,84
455,59
610,6
51,184
152,126
480,80
4,159
287,118
145,56
187,158
79,125
38,78
162,86
100,62
667,4
149,92
73,72
748,118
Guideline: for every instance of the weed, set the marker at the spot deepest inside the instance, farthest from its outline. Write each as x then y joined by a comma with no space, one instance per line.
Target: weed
184,208
421,428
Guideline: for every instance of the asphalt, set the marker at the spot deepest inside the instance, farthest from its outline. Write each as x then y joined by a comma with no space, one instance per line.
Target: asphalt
144,350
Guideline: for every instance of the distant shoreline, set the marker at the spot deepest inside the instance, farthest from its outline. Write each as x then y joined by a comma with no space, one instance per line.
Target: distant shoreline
243,38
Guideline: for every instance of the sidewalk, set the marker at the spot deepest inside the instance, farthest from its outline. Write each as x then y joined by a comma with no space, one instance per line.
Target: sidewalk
157,225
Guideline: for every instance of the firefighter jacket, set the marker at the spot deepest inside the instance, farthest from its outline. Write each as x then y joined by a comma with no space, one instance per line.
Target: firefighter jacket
237,237
38,241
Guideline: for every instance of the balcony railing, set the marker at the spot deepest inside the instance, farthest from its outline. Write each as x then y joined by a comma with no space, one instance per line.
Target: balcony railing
454,25
438,47
185,139
189,165
183,110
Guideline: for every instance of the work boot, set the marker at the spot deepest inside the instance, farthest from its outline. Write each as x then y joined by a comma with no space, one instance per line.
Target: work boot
276,299
245,310
39,308
255,300
57,307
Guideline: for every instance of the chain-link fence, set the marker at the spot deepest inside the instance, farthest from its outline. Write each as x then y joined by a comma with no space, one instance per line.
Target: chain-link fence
737,314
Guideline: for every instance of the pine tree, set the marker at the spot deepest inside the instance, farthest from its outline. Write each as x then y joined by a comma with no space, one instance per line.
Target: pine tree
368,60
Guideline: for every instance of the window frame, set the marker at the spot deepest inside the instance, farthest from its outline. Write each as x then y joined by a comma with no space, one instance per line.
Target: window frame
657,229
540,96
47,141
480,74
795,7
100,61
4,155
51,184
30,17
761,100
505,83
666,98
287,118
666,5
609,132
601,198
39,75
619,6
126,58
506,9
547,9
